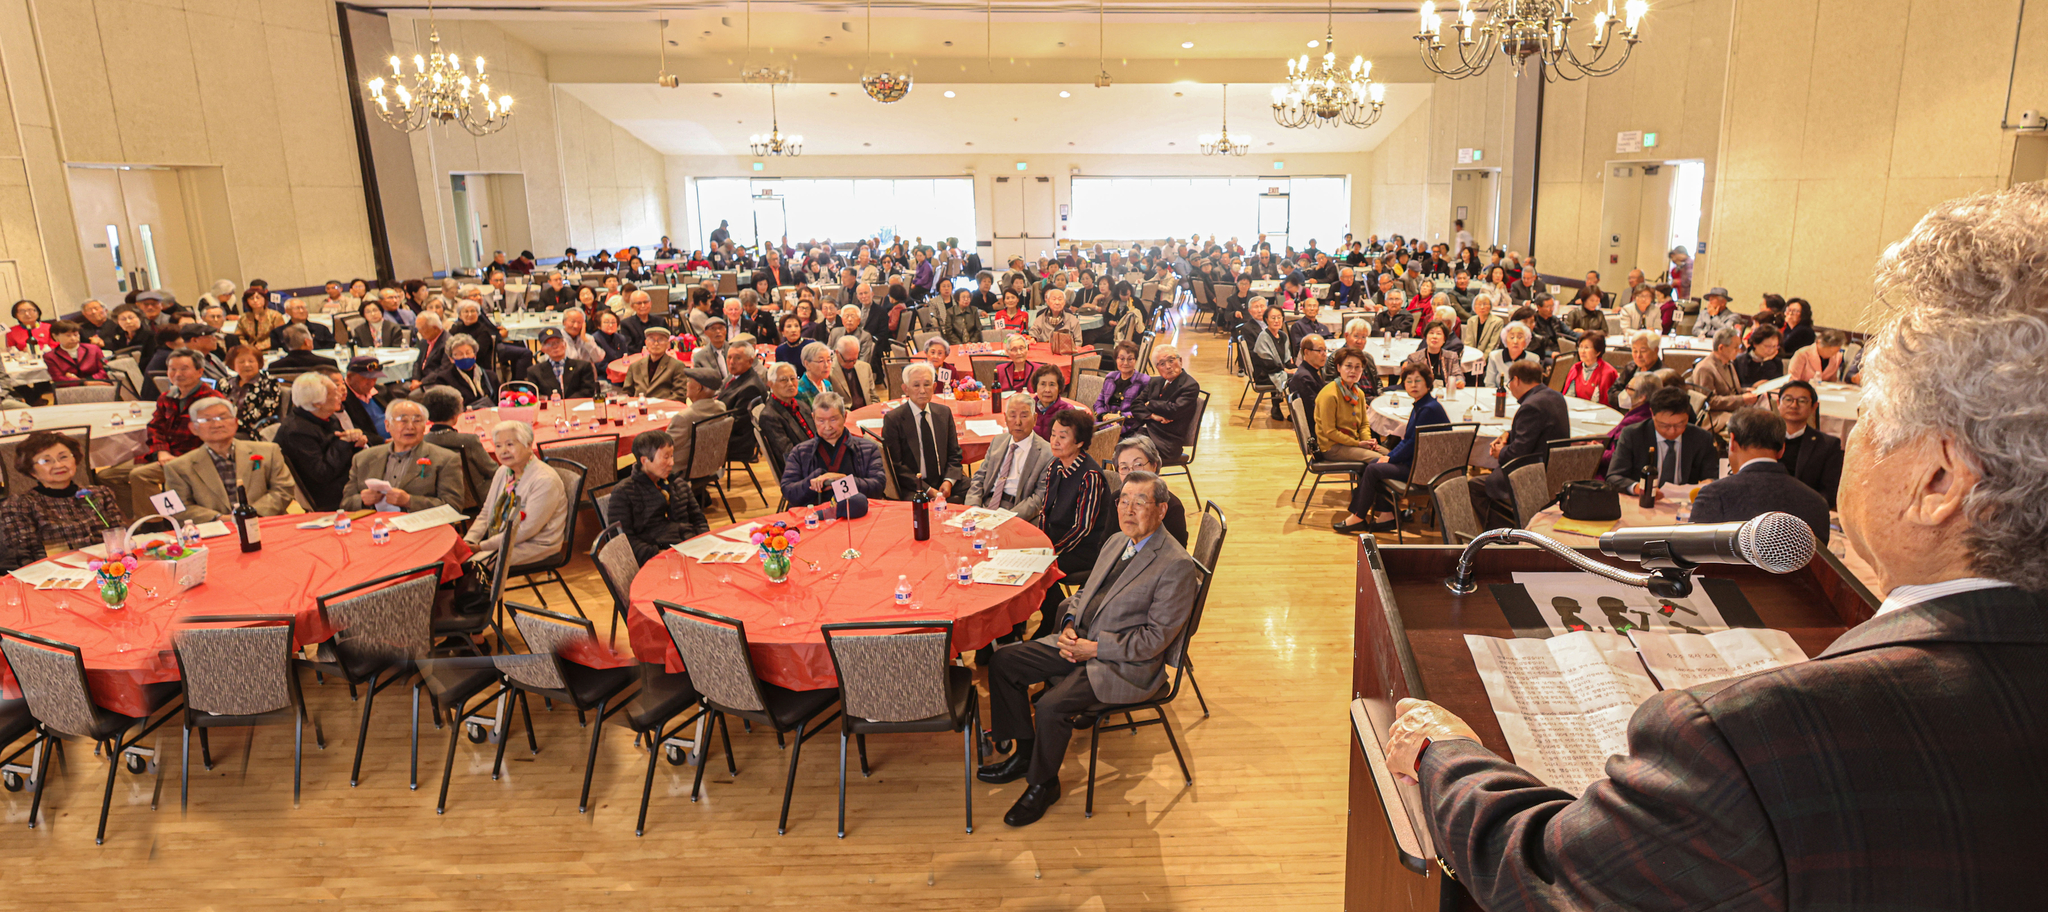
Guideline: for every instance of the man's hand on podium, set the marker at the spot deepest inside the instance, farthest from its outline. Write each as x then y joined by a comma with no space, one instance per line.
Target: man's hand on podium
1419,724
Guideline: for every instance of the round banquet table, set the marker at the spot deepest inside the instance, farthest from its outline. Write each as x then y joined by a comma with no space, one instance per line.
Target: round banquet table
1389,417
584,412
782,619
127,650
1041,353
972,446
112,444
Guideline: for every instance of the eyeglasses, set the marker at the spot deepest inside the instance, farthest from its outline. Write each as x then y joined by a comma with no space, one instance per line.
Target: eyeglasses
404,419
1135,502
211,421
1795,400
61,459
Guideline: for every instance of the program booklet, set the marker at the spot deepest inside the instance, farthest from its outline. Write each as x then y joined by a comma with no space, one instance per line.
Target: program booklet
1564,702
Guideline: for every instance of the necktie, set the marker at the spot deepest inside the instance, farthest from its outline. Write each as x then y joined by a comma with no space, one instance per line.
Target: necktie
558,373
1005,486
1669,473
1108,582
928,451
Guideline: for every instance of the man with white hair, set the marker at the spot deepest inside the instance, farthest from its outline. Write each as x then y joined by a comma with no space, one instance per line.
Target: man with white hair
852,376
812,466
1901,765
542,509
206,478
849,325
1012,475
636,324
924,447
315,444
744,388
1714,375
393,302
433,347
222,293
785,417
1168,408
710,353
406,473
295,314
575,331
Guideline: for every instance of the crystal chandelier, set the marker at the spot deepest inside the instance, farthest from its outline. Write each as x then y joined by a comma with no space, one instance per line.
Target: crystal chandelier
886,86
773,142
1324,94
441,92
767,73
1223,143
1525,29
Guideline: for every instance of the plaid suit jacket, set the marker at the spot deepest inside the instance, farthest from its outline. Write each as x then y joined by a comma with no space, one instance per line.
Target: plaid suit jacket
1901,769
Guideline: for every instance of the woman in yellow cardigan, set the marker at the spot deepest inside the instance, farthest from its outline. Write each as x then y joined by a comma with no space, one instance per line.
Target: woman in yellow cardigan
1343,432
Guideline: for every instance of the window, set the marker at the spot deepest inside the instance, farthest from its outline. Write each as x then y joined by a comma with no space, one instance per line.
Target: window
1152,208
841,209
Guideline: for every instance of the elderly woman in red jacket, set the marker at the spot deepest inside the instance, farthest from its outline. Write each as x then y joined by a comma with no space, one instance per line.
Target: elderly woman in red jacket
1592,377
73,362
28,327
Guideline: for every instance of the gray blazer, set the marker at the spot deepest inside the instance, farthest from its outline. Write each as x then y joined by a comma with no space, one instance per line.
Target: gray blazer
1138,619
1758,488
983,488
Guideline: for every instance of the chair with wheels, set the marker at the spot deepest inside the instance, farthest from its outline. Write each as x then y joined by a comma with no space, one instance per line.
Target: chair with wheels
901,682
715,648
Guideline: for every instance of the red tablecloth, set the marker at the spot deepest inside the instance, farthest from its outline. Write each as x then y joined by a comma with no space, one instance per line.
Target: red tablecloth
793,655
1041,353
128,649
479,422
972,446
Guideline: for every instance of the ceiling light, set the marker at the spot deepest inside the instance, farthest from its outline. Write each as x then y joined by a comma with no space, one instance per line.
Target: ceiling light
440,92
1066,94
887,85
1186,44
1540,32
1314,43
949,93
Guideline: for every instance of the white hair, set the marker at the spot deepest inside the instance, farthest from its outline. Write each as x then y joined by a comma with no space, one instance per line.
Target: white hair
1016,342
520,431
812,350
398,405
209,403
1962,318
919,370
1516,329
1166,351
847,343
311,390
1356,324
1644,335
775,372
843,310
461,340
427,318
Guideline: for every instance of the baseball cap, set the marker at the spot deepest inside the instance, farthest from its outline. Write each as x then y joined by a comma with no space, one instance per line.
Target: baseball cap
550,334
366,366
705,377
192,331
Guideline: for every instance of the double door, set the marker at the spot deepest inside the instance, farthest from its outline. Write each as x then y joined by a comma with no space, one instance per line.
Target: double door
133,231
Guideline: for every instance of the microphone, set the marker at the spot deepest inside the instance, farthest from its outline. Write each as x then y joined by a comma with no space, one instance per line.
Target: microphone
1778,542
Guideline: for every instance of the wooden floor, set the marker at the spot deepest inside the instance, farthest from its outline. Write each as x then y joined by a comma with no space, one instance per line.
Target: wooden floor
1261,826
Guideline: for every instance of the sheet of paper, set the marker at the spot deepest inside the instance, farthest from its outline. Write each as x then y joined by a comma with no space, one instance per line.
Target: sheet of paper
987,572
1774,384
741,533
426,519
218,528
712,549
41,572
378,485
1020,560
869,424
1563,703
324,522
1572,602
1687,660
985,428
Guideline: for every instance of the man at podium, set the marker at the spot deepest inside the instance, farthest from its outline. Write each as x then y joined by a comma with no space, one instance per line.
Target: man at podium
1900,768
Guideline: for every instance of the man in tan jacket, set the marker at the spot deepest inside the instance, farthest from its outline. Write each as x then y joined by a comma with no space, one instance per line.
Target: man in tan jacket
1714,376
415,475
656,376
205,478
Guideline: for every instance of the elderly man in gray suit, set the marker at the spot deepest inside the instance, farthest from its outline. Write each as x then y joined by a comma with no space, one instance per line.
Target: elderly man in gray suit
1114,640
1012,475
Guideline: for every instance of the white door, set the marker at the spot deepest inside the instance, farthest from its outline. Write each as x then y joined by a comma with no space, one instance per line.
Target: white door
1274,215
1621,213
103,233
1008,219
133,231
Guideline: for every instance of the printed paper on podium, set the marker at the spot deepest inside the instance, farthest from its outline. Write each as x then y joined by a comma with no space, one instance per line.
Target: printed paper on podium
1571,602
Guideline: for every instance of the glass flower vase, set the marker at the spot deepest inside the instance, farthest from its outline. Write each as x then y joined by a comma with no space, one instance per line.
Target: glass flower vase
776,564
114,593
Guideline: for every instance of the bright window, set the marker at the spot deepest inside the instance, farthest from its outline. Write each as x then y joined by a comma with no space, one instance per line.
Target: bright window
1154,208
841,209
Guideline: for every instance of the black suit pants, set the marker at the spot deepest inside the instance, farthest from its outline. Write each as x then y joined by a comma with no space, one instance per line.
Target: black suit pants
1010,677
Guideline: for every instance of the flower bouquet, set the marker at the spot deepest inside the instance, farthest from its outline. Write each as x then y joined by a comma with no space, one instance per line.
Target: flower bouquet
114,576
776,541
969,390
516,398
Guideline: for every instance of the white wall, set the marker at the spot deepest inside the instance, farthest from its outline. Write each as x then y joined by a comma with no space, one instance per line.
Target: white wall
682,168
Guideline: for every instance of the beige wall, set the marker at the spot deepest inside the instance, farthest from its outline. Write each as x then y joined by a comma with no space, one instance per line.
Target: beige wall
589,184
682,168
1410,172
126,82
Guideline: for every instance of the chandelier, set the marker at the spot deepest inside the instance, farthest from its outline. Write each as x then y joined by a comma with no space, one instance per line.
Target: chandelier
885,86
1525,29
1325,94
441,92
767,73
1223,143
773,142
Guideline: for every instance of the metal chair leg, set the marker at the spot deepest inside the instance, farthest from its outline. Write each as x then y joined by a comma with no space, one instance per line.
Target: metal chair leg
35,805
842,783
862,741
967,745
526,712
725,734
299,753
1094,743
1167,724
590,765
107,800
448,767
1188,666
796,752
184,776
415,781
647,788
698,783
355,772
505,737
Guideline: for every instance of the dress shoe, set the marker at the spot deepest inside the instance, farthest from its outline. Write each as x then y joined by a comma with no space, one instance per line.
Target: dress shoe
1033,804
1082,721
1008,769
1385,525
1344,528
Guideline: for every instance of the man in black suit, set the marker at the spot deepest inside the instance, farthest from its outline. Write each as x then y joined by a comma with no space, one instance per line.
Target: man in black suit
743,390
1307,379
1810,455
559,373
295,312
298,353
1757,483
921,441
556,294
785,420
1540,417
1668,447
1167,410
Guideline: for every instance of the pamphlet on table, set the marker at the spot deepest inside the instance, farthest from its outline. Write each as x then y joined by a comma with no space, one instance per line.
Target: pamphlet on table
983,517
714,549
427,519
1564,703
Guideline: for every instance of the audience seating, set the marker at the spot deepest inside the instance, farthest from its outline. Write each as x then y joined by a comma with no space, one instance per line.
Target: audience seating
902,682
549,569
239,676
384,627
1312,461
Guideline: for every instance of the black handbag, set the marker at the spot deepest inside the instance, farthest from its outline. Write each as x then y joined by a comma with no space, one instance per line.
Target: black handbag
1589,501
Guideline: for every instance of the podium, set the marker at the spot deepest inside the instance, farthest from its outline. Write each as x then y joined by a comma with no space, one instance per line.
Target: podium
1409,641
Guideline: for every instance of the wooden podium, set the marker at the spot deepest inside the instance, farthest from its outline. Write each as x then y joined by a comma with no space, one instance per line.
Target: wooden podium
1409,641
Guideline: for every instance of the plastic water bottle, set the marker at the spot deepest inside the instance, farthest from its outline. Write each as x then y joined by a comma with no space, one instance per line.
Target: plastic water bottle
27,422
188,534
555,400
980,546
380,532
902,591
963,572
342,524
967,526
811,521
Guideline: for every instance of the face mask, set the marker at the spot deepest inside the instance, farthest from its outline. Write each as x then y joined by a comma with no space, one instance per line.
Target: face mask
465,363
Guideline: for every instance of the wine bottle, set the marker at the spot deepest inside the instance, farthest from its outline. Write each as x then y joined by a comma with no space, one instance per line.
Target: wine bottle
1648,498
246,526
921,513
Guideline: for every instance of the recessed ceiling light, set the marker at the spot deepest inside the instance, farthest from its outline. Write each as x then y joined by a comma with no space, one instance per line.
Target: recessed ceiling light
1169,144
1066,94
867,144
834,94
970,142
672,43
1314,43
1070,144
1187,44
949,44
718,94
1176,94
949,93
